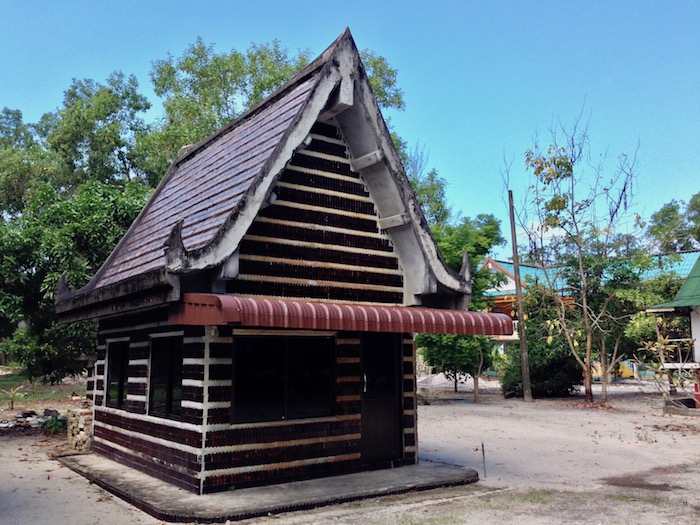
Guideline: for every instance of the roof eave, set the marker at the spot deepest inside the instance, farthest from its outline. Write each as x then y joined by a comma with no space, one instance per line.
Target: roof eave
142,291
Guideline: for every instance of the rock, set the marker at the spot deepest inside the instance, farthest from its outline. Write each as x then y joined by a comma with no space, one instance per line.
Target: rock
49,412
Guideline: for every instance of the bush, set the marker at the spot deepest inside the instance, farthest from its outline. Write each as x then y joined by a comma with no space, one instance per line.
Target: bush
553,371
55,425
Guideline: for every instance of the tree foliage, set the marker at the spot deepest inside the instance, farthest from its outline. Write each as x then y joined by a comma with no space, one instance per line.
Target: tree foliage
553,370
95,131
461,355
203,89
57,234
571,216
676,226
457,355
384,80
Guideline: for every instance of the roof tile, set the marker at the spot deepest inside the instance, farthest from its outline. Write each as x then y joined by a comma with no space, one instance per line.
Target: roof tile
204,189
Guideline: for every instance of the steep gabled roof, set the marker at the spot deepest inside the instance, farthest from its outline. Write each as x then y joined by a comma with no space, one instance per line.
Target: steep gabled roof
211,194
688,296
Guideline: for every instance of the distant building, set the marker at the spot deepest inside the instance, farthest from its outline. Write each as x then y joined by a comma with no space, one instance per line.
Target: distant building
503,296
686,303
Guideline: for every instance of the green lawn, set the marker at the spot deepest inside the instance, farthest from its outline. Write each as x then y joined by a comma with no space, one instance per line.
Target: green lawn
14,384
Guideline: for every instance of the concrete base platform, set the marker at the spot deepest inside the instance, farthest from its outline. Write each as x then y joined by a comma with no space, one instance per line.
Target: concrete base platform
169,503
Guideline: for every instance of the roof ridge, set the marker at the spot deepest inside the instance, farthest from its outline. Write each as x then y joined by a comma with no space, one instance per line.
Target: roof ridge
290,84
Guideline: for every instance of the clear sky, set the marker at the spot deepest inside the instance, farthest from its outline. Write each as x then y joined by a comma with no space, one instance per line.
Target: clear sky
480,79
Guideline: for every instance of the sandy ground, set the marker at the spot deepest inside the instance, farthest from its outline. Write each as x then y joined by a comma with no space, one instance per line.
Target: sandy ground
35,489
547,462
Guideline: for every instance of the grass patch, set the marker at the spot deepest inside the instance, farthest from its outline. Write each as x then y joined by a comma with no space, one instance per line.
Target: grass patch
427,520
511,500
35,392
642,498
12,380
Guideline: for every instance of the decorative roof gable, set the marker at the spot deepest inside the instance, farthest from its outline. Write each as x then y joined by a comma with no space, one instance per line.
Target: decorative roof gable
209,199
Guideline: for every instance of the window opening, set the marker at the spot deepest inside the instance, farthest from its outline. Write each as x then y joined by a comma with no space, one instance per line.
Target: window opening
278,378
117,373
165,386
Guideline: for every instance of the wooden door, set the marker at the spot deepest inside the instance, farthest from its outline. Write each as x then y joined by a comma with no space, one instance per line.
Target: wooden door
381,406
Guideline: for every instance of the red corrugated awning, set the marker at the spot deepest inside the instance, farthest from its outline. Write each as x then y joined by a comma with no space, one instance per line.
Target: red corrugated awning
213,309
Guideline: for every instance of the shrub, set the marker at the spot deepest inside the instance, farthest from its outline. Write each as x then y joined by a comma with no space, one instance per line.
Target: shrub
553,370
55,425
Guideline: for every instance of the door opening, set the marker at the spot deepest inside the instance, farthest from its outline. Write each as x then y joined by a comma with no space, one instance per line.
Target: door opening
381,399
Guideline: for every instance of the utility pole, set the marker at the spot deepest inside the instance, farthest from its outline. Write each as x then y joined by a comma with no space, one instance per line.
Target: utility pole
524,358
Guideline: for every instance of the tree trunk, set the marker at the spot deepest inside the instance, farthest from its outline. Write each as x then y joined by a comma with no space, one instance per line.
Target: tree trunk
455,383
604,377
588,382
476,388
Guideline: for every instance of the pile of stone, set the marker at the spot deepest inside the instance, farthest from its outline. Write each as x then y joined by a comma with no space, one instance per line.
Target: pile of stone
80,430
30,419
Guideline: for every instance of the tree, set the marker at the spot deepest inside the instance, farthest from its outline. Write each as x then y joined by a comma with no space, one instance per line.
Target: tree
383,79
56,234
553,371
429,189
202,90
23,161
457,355
95,131
676,226
619,289
571,212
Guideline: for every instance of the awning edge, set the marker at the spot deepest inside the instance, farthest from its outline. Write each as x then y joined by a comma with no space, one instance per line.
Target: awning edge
218,309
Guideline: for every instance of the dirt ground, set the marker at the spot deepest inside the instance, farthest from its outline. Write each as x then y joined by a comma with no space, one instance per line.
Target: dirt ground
547,462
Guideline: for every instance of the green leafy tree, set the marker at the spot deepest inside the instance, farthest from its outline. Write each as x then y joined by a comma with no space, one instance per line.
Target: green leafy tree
56,234
13,276
95,131
23,161
618,290
477,237
65,200
202,90
676,226
572,212
430,189
553,370
384,80
457,355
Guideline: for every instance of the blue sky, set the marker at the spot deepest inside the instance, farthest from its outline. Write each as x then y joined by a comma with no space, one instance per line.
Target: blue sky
481,79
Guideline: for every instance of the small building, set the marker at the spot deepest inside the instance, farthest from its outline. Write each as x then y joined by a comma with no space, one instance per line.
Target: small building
686,303
256,321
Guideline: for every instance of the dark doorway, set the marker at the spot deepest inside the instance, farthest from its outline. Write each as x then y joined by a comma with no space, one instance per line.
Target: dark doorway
381,414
